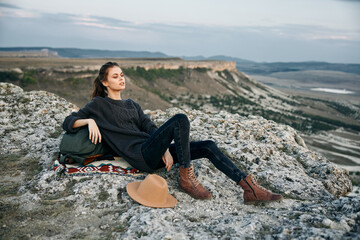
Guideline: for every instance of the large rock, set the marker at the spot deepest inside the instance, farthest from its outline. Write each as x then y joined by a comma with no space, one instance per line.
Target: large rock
31,122
98,207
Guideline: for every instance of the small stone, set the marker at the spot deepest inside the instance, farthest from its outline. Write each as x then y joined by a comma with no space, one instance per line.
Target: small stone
103,227
327,222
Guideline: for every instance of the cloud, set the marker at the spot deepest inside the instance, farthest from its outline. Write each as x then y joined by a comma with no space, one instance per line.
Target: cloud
6,5
330,37
109,20
84,19
103,26
307,32
102,22
18,13
10,10
281,42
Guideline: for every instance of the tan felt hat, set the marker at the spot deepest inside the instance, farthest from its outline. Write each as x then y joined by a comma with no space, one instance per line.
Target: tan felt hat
151,192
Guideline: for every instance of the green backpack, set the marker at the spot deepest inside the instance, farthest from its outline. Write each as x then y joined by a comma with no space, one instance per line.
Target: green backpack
77,147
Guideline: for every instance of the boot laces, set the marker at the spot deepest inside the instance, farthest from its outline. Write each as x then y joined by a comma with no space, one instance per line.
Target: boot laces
254,181
192,177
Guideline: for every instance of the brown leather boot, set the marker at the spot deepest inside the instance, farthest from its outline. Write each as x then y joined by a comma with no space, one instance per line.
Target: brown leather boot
189,183
254,193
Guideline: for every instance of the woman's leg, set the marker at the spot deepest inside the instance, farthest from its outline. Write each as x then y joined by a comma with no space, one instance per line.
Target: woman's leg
176,128
253,193
208,149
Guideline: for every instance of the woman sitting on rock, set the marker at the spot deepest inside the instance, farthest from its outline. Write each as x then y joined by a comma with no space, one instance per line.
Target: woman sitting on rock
131,134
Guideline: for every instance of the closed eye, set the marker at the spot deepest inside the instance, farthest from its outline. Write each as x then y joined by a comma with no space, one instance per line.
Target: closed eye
117,75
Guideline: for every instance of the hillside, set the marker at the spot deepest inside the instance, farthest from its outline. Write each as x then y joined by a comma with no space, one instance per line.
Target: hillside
36,205
203,85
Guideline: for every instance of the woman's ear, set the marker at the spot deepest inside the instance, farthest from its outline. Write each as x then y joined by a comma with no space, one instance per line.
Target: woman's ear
104,83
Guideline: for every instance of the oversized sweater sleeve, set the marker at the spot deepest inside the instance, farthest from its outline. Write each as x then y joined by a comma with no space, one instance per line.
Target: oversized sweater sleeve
83,113
147,125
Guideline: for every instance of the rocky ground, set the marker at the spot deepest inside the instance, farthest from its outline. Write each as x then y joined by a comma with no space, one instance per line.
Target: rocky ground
35,205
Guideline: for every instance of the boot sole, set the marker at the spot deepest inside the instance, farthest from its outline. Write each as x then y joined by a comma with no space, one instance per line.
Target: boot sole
194,196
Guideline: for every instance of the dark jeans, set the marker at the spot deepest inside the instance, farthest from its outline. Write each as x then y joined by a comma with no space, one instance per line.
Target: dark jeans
177,128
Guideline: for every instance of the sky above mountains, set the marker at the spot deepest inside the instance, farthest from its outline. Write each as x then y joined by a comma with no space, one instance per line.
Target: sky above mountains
259,30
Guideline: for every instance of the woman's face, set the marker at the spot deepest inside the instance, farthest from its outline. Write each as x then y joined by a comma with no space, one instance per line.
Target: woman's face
115,80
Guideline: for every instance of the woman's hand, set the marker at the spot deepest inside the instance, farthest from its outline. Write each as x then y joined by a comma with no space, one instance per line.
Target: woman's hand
168,160
94,132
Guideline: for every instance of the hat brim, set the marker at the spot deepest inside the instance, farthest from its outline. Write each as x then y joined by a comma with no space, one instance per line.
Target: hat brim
131,189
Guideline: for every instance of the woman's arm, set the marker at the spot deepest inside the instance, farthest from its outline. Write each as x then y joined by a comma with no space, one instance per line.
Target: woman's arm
83,114
82,118
94,132
81,123
168,160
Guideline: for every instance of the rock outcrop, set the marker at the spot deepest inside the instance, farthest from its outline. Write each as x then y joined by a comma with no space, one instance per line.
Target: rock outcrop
36,205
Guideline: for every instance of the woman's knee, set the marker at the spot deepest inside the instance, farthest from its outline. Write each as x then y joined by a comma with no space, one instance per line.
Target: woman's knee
182,119
209,145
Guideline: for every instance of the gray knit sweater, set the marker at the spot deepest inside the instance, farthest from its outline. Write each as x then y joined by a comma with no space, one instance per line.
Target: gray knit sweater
122,124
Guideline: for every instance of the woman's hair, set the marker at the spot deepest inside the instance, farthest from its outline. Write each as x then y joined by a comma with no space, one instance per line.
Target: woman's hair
98,88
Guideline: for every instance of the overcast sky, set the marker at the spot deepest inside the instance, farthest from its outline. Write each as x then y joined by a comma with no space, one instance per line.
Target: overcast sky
259,30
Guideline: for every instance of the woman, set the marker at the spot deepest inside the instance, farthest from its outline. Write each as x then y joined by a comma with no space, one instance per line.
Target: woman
132,135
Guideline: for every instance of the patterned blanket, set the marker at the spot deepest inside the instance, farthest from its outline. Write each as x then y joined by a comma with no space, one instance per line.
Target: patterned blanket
116,166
